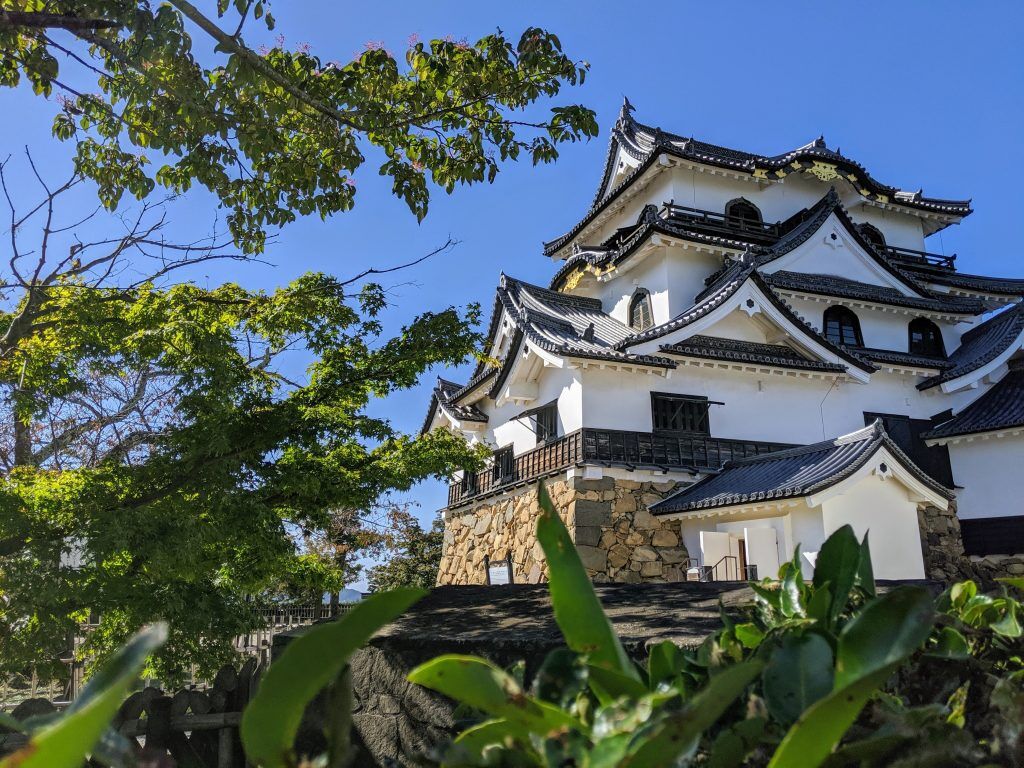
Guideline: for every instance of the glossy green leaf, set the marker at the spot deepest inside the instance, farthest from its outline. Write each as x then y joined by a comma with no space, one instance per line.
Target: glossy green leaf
664,662
577,610
66,742
1008,625
733,744
1013,581
611,684
798,673
680,732
837,565
950,644
811,738
561,677
887,630
308,664
482,685
470,745
749,635
866,573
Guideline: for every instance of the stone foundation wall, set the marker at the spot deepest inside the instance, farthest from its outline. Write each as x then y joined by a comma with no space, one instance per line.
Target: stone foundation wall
617,538
942,545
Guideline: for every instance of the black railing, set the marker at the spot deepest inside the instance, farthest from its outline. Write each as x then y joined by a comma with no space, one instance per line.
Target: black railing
721,222
923,258
609,447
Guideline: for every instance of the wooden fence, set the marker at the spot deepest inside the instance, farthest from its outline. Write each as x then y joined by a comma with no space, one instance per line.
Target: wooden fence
195,728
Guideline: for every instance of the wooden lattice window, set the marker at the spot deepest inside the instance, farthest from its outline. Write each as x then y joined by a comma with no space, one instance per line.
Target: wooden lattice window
926,338
546,419
741,211
843,327
680,413
504,462
640,315
873,235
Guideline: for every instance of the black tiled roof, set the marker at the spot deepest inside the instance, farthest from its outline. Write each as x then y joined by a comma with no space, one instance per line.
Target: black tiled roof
444,397
728,282
902,358
999,286
981,345
774,355
791,474
841,287
645,144
568,325
1002,407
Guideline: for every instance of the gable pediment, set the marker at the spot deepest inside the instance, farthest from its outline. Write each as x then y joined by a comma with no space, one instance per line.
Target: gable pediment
834,249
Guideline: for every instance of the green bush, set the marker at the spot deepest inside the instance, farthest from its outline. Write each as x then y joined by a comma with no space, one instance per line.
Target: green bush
819,673
825,672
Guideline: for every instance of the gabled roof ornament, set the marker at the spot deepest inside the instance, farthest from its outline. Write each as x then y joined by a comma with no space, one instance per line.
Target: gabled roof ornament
820,142
588,334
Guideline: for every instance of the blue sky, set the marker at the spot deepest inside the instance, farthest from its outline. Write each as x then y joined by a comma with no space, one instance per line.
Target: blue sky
924,94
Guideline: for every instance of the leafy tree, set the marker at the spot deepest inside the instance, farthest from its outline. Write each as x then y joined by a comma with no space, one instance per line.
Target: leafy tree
161,457
160,460
416,558
277,133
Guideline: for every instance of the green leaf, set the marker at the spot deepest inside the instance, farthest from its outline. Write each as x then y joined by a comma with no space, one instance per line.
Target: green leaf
749,635
838,564
679,733
609,684
732,745
865,573
576,607
950,644
67,742
887,630
811,738
562,675
484,686
469,746
664,662
1008,625
308,664
1013,581
799,673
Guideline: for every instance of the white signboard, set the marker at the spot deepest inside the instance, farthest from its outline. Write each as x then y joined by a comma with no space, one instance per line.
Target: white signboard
498,573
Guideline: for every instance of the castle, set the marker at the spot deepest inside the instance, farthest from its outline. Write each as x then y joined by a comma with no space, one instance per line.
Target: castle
736,355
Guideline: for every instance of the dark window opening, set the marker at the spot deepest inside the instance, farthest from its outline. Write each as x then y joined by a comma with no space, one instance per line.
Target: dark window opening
640,315
680,413
742,212
843,327
468,483
993,535
926,338
906,433
546,422
873,235
504,465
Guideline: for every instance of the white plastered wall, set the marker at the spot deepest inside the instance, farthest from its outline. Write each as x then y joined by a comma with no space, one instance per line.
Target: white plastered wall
561,384
991,473
883,510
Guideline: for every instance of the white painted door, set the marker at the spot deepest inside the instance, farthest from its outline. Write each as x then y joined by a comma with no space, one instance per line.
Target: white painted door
762,551
713,547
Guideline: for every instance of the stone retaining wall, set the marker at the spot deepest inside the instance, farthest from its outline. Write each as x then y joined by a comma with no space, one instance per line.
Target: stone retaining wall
617,538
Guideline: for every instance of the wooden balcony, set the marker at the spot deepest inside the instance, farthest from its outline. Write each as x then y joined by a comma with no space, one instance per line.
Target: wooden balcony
719,223
610,448
921,258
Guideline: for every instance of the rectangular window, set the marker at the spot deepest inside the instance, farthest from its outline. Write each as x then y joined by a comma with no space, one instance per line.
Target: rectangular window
680,413
546,422
504,465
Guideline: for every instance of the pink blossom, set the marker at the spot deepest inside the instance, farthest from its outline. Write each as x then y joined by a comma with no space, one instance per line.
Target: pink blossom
417,165
280,41
263,50
413,39
350,182
303,47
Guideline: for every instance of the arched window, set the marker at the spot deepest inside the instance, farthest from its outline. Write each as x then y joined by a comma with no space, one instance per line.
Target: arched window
843,327
873,235
640,315
926,338
741,211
